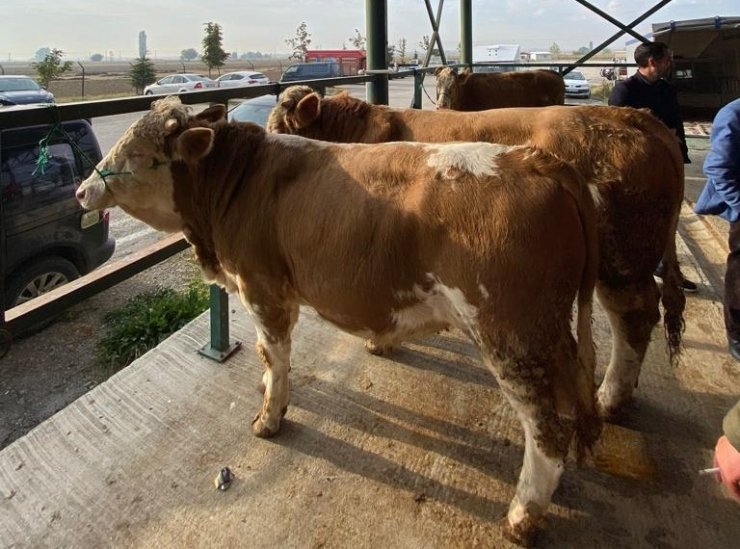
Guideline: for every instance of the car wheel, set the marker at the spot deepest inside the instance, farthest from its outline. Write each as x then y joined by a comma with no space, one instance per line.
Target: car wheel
148,92
38,278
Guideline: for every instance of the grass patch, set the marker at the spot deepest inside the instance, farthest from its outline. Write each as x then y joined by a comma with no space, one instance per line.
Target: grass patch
146,320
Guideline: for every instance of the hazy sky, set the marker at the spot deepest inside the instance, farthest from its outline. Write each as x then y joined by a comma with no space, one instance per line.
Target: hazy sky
83,27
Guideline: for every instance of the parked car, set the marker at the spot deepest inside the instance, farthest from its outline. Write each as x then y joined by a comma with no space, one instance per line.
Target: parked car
241,78
311,71
49,238
176,83
22,90
255,110
576,85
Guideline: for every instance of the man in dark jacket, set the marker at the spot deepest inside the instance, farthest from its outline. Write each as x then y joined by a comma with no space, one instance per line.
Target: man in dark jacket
648,88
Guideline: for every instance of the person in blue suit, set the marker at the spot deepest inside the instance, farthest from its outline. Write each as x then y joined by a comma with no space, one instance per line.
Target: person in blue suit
721,196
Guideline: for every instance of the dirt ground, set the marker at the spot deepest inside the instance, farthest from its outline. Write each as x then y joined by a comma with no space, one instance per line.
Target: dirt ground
43,373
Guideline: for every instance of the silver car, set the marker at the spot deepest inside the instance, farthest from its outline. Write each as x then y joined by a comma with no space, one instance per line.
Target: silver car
176,83
242,78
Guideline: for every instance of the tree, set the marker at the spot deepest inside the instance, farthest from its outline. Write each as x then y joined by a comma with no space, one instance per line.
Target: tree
97,57
555,49
51,67
300,43
358,41
390,51
401,51
214,55
189,54
425,44
142,73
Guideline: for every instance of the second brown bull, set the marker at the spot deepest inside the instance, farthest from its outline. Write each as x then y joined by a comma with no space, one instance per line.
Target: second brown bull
631,161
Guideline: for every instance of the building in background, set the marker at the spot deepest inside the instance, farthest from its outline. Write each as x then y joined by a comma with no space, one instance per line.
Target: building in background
350,61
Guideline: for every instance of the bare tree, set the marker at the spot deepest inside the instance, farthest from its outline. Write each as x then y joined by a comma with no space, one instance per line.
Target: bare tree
300,43
401,51
358,41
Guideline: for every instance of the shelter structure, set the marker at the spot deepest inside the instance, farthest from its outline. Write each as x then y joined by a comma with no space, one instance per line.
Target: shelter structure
707,61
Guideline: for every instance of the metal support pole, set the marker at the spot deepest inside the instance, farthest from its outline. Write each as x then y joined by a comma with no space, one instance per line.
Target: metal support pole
466,32
376,15
219,348
418,83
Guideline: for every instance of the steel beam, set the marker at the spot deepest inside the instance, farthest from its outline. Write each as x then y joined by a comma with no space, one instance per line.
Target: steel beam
376,16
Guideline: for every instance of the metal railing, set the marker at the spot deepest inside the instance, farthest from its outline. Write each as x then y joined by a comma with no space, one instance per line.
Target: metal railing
33,312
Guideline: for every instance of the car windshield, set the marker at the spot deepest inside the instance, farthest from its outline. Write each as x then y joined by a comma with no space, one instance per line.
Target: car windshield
198,78
575,75
17,84
257,112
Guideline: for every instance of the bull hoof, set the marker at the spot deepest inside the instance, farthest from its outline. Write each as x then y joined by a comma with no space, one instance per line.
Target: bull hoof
261,428
377,349
523,534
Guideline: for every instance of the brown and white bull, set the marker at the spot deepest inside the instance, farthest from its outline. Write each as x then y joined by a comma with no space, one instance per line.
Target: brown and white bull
631,161
387,240
469,91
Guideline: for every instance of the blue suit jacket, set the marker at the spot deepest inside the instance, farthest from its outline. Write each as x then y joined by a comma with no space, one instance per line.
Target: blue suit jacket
721,194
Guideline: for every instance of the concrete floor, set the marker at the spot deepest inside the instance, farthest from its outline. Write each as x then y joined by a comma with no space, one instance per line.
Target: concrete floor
416,450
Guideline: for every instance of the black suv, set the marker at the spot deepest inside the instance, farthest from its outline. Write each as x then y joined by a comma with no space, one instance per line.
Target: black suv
311,71
48,238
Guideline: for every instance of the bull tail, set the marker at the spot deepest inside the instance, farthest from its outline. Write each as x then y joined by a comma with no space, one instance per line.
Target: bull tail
672,296
579,380
588,421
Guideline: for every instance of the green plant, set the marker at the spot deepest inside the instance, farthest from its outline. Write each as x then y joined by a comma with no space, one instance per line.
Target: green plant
214,55
300,43
51,67
146,320
142,73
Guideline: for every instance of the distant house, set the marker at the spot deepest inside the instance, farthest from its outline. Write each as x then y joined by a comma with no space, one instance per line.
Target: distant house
497,56
540,56
350,61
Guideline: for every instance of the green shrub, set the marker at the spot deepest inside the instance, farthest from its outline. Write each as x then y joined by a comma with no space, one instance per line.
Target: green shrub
146,320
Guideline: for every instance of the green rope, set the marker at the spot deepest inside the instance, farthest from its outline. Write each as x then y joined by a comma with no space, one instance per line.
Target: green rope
43,160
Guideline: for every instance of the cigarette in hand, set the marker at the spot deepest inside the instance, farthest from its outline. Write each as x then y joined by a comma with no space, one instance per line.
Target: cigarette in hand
710,471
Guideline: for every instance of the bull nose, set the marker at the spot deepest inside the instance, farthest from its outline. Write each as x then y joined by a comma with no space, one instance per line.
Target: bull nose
80,194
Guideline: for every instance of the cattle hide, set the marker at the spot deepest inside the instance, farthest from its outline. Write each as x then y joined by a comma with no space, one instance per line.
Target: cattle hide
630,159
387,241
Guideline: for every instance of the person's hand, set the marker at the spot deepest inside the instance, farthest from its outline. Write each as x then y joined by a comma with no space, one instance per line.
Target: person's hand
727,458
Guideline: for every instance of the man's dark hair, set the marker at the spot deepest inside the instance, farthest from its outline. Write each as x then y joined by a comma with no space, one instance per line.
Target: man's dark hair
646,50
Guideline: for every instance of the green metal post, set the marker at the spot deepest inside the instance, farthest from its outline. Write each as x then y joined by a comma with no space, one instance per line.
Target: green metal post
376,15
466,32
418,83
219,348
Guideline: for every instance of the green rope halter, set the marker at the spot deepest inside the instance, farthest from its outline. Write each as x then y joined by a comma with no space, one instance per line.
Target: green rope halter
43,160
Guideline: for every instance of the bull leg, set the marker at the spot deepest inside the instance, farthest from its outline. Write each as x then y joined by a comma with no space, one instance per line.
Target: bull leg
538,480
547,437
633,313
273,324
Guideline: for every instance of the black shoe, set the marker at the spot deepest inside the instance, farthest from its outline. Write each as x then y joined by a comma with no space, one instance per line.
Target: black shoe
734,348
688,286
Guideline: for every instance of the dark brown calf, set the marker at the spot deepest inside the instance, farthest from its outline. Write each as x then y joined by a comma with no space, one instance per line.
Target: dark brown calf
469,91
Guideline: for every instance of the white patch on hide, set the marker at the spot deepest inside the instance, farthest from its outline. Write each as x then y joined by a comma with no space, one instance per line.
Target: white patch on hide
478,159
440,305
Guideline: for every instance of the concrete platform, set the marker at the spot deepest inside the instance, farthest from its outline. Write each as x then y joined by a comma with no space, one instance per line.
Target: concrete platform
416,450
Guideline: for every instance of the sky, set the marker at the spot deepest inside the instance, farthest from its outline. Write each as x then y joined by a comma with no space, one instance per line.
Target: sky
81,28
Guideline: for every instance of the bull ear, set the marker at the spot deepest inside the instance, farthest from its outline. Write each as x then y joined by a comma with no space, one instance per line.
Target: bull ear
195,143
212,114
308,110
